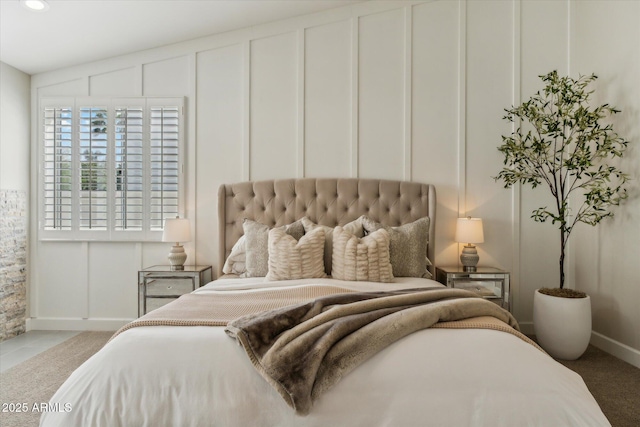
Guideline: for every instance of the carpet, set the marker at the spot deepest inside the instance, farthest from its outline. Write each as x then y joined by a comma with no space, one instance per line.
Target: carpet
34,381
615,384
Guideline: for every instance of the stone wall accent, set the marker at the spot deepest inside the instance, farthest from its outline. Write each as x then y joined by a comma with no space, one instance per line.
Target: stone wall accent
13,263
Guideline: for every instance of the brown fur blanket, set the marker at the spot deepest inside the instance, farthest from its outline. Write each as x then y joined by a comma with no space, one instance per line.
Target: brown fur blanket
302,350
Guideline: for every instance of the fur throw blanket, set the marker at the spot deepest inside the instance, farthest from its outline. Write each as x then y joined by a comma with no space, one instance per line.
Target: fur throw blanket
302,350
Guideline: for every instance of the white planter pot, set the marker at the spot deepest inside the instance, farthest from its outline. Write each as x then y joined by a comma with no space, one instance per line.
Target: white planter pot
562,325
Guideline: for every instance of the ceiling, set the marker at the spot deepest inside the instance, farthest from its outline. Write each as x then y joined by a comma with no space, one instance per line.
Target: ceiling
78,31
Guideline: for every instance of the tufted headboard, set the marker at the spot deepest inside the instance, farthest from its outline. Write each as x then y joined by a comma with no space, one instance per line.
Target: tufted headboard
325,201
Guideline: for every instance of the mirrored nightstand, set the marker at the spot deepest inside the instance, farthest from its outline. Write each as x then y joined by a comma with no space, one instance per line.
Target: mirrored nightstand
159,285
491,283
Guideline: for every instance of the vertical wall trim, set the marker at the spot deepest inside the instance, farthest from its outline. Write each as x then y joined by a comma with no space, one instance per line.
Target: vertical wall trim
408,70
355,122
570,263
462,107
246,143
515,189
191,150
300,107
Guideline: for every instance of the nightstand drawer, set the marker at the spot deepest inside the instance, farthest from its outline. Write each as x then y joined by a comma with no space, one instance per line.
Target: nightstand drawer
166,287
485,288
153,303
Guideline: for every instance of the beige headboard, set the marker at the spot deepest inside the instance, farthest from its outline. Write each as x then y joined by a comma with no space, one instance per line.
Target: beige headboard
325,201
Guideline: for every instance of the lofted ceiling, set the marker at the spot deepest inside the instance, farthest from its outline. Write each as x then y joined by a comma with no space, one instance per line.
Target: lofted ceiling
78,31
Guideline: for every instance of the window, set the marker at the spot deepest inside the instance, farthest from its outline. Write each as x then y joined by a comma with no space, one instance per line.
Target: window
111,168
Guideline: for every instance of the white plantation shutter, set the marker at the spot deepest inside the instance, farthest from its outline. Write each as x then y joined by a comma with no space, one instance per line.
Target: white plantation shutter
164,143
111,168
92,153
129,172
57,167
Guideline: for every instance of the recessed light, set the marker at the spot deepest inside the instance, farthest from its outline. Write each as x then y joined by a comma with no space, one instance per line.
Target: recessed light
36,5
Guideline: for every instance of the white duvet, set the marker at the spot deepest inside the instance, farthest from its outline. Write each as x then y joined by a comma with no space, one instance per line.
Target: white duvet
198,376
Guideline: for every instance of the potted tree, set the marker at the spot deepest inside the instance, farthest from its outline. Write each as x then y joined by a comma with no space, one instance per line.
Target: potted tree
560,143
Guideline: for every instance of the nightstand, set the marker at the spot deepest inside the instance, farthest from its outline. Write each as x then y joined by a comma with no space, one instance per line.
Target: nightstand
159,285
491,283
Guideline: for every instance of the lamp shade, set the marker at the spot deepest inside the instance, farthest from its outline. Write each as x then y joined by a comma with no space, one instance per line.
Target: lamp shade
176,230
469,230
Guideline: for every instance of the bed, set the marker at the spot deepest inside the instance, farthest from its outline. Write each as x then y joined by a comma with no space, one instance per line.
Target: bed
192,372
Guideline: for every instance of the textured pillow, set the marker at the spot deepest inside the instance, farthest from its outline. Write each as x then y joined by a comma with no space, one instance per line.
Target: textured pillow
257,245
296,259
236,262
354,227
361,259
407,246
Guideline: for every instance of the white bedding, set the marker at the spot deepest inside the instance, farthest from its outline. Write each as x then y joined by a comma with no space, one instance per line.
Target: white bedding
198,376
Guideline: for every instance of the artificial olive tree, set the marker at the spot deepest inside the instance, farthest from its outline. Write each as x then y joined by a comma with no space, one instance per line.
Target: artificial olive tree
561,141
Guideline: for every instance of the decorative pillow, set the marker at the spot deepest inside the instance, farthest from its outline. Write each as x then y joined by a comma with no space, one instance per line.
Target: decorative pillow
296,259
354,227
236,262
362,259
257,245
407,246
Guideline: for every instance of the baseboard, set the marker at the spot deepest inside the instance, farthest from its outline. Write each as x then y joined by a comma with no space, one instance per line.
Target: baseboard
611,346
75,324
617,349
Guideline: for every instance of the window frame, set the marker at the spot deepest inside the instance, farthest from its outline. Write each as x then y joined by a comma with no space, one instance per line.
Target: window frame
146,234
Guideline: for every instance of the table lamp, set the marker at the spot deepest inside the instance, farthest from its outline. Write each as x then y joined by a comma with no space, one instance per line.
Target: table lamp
469,231
177,230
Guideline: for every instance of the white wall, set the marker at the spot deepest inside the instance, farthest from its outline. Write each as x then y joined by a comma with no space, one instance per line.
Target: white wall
15,87
399,90
605,39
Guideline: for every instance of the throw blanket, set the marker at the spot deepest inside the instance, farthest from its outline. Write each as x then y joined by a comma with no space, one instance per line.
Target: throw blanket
303,350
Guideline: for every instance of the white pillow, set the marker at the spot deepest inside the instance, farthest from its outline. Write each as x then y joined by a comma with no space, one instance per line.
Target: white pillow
236,262
361,259
291,259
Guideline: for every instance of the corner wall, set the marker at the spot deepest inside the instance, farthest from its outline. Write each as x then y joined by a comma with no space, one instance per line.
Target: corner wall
14,186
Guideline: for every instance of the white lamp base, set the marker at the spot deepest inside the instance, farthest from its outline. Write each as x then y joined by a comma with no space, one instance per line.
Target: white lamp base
469,257
177,257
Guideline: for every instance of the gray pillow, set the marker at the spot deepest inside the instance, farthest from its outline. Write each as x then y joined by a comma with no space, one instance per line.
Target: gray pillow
407,246
257,245
354,227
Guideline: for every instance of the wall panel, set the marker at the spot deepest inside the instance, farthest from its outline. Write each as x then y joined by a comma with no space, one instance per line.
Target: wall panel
435,96
604,258
166,78
327,98
113,83
113,279
541,52
489,86
76,87
381,95
61,275
274,120
220,135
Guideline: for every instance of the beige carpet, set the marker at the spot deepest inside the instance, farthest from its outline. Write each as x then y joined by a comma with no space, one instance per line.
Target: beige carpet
35,380
614,383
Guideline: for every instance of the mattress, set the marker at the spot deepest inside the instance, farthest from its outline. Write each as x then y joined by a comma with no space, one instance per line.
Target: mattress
199,376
